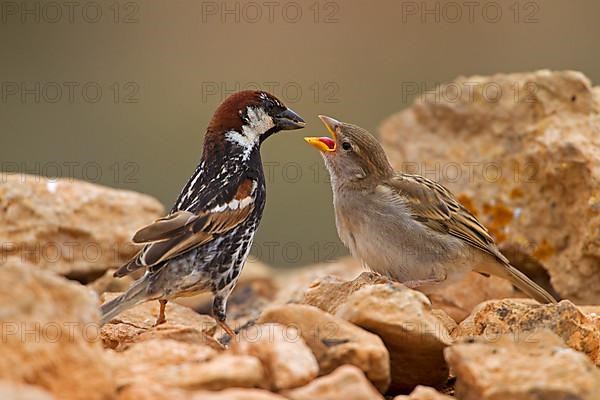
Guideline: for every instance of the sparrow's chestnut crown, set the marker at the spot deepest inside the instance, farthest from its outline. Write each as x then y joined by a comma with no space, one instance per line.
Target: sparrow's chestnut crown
257,110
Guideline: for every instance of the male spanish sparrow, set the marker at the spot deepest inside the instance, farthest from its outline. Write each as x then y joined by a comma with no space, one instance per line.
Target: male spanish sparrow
403,226
203,243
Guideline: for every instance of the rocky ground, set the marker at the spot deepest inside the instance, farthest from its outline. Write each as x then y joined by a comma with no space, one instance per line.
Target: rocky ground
333,331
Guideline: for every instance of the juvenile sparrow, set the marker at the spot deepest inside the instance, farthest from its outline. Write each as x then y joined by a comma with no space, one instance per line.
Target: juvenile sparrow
203,243
403,226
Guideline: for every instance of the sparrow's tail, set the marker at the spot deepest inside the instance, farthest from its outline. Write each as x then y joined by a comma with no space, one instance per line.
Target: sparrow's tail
520,280
136,294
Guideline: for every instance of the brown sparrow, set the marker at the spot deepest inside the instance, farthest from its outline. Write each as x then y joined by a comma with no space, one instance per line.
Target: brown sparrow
202,245
406,227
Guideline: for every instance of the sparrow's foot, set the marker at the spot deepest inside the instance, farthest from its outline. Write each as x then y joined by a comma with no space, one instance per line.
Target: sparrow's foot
423,282
161,314
218,312
227,329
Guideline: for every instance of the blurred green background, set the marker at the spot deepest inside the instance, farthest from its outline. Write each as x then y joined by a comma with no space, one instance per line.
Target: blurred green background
119,93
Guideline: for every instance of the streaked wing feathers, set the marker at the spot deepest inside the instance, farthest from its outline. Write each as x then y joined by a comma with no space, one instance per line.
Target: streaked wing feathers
163,228
181,231
195,232
435,207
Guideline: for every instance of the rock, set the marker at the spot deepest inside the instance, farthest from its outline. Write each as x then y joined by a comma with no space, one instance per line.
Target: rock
521,369
590,310
50,335
593,313
137,324
458,299
141,359
184,366
294,284
347,382
286,359
516,149
424,393
413,335
445,319
526,317
236,394
219,373
156,392
108,283
330,292
334,342
17,391
70,227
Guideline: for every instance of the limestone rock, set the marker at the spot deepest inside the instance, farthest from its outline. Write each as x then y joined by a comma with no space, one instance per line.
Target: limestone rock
108,283
294,284
526,318
157,392
424,393
334,341
590,310
520,369
137,324
523,152
18,391
330,292
286,359
458,299
185,366
447,321
219,373
50,335
236,394
133,364
70,227
413,335
593,313
346,382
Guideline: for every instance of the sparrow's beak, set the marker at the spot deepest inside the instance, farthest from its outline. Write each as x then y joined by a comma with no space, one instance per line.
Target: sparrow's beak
325,144
288,120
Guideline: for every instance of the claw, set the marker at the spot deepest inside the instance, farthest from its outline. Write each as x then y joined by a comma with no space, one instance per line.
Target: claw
161,314
227,329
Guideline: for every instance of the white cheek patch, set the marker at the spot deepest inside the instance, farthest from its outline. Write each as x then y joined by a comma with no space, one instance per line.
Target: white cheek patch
259,122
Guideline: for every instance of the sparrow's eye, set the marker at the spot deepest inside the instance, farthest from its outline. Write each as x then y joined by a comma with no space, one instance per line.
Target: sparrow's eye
346,146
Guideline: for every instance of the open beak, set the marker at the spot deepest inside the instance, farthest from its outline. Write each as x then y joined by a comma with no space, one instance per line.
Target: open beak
288,120
325,144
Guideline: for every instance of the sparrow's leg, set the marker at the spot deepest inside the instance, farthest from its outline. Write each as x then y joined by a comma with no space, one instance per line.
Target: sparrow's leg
219,314
161,314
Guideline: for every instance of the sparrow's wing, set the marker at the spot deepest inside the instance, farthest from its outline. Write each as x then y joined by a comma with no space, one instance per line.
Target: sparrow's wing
163,228
181,231
435,207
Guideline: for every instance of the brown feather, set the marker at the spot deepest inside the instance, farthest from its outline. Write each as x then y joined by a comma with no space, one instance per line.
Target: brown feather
196,232
436,207
244,190
163,228
227,118
181,231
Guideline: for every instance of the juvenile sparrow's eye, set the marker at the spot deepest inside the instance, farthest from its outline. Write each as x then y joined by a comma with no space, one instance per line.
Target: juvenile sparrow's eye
346,146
